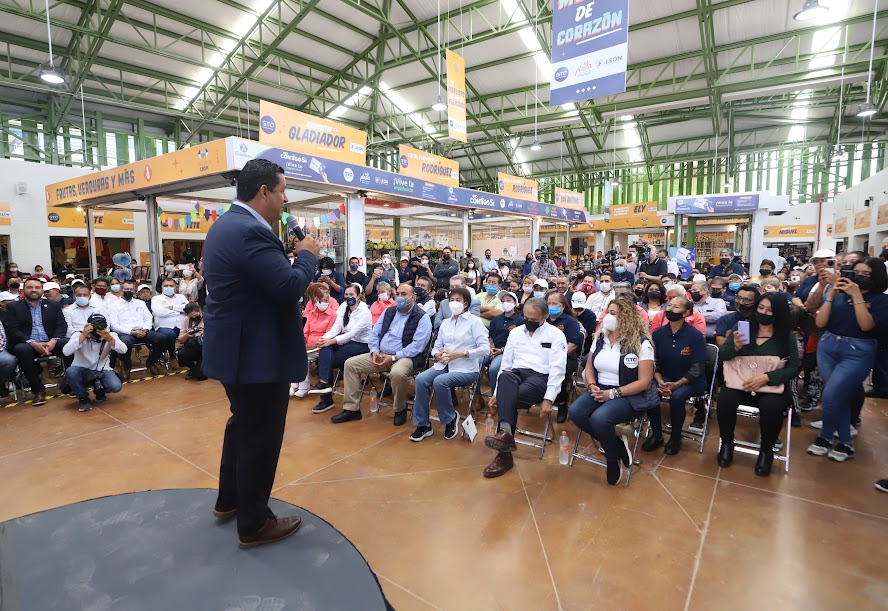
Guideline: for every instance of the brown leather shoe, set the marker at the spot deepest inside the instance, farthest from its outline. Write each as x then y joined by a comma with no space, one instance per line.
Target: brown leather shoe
154,369
124,373
174,365
39,398
501,442
224,514
274,529
500,465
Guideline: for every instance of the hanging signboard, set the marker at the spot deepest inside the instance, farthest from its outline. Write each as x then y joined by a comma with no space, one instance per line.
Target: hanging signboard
716,204
590,49
296,131
629,216
862,219
569,199
71,218
427,167
456,96
515,186
804,233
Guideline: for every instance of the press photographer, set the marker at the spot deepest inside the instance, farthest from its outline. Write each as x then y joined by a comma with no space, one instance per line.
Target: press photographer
91,366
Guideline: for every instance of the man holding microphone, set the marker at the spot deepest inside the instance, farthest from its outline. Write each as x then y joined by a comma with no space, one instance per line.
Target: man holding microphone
253,344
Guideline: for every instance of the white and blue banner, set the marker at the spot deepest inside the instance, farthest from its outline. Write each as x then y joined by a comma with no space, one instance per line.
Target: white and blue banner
590,44
716,204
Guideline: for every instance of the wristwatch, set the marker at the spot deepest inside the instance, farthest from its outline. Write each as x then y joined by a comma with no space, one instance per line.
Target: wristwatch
394,358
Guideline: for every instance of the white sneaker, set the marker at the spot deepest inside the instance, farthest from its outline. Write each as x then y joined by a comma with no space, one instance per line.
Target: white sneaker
293,388
817,424
301,391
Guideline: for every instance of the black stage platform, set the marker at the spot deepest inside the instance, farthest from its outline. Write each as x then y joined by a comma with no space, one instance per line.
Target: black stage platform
163,551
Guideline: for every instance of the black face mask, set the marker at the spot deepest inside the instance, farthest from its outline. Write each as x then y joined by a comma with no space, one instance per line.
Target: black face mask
884,255
724,261
639,292
655,295
351,301
764,319
717,292
864,282
696,296
446,257
847,268
744,310
531,325
128,295
764,271
674,316
196,319
420,293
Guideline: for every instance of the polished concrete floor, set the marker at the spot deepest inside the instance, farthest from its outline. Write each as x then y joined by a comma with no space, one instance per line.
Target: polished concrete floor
685,534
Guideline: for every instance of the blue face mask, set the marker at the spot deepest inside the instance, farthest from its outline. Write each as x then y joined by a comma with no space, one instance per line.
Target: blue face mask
538,294
402,302
554,311
491,290
82,301
420,292
619,270
350,301
169,268
734,286
169,291
354,268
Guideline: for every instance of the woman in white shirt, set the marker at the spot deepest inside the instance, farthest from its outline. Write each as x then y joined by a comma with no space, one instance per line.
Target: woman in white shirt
190,283
459,349
619,377
168,309
347,337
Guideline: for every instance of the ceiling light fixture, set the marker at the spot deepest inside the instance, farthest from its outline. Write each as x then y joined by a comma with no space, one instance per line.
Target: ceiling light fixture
439,104
49,73
868,109
536,145
811,9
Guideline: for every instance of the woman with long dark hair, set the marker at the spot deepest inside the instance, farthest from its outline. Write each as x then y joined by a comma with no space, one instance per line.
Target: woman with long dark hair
770,335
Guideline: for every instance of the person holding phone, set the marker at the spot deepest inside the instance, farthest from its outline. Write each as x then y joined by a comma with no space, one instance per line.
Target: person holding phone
854,314
769,334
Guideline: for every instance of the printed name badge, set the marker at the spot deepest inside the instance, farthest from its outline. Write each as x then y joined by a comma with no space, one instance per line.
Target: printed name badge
630,361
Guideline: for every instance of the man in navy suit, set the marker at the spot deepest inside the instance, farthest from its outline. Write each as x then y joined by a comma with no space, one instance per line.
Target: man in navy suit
253,344
35,327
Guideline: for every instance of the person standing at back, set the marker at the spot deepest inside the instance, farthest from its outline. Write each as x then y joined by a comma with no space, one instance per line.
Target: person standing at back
253,344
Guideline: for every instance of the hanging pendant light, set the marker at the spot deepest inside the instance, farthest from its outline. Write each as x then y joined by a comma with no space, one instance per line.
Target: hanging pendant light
536,145
868,109
811,9
439,105
49,73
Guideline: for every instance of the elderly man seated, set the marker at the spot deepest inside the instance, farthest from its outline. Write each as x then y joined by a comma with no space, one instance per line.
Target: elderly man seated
712,308
533,367
461,344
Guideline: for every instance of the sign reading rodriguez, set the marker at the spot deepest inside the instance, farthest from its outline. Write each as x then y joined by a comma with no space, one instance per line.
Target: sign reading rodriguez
425,166
515,186
290,129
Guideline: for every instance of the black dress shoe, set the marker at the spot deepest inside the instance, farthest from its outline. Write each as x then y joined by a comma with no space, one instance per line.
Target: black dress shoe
763,464
400,418
726,454
652,443
346,416
614,472
561,414
673,445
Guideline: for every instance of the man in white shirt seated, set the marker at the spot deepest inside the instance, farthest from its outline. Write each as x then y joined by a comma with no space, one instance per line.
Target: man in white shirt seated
461,345
424,295
92,355
598,302
169,314
130,319
101,298
532,370
712,308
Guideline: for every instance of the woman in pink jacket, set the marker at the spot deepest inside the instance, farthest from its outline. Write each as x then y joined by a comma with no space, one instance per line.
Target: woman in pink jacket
320,314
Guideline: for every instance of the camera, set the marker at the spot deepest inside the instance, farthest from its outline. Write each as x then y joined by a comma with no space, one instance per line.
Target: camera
99,323
611,255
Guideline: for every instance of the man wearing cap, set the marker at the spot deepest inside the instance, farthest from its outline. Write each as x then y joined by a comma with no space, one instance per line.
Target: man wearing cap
585,317
491,306
145,293
131,320
819,260
53,292
91,350
405,274
726,267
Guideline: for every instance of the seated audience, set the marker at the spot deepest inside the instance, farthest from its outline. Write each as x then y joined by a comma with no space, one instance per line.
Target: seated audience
461,344
168,309
384,300
92,362
101,298
130,319
500,327
586,319
190,354
328,275
744,302
8,363
654,298
489,304
424,295
457,281
561,316
695,320
599,301
710,307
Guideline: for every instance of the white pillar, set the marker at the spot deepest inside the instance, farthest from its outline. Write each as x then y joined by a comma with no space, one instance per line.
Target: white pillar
154,245
756,237
567,243
91,243
534,233
465,231
355,230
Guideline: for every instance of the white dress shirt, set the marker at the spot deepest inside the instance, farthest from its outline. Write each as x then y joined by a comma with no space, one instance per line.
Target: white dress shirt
712,309
598,302
463,333
102,303
125,316
169,312
88,355
544,352
360,323
76,317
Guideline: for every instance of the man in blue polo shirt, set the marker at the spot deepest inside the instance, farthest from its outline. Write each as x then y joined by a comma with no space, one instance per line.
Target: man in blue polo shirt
500,327
743,302
726,267
680,355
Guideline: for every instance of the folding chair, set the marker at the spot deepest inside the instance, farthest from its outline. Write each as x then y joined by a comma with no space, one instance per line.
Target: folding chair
706,397
471,388
386,381
544,438
637,426
753,449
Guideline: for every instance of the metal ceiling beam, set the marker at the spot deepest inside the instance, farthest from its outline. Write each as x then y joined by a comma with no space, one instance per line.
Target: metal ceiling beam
646,150
710,59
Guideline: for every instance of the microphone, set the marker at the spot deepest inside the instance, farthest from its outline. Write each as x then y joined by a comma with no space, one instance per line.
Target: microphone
293,226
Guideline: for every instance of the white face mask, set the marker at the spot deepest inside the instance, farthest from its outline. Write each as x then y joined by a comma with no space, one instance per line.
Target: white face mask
425,261
323,305
668,286
527,288
386,261
383,296
456,307
471,265
609,323
605,287
508,306
326,272
187,273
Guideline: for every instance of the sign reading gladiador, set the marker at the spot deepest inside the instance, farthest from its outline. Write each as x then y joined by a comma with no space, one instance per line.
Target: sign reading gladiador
296,131
425,166
569,199
590,49
515,186
456,97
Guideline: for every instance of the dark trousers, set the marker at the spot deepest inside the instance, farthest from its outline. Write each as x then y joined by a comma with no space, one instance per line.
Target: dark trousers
880,372
127,357
334,357
27,358
564,394
250,451
600,420
164,341
771,413
677,402
190,355
519,388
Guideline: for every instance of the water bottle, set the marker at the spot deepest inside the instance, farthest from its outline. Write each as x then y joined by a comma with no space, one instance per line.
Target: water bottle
564,455
374,401
489,425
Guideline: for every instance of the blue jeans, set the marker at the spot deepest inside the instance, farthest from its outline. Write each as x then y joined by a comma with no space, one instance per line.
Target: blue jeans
844,364
493,371
166,342
443,381
80,377
7,368
600,420
334,357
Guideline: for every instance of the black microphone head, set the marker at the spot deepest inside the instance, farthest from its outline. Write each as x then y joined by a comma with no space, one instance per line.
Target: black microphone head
294,228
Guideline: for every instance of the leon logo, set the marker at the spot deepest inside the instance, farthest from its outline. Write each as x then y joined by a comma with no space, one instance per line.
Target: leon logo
561,74
631,361
268,125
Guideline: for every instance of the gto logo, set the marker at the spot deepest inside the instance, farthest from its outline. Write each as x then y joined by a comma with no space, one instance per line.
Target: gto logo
53,218
268,125
403,161
561,74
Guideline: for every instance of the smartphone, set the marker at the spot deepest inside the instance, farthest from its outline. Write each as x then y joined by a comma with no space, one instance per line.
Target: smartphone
743,331
182,267
847,273
831,262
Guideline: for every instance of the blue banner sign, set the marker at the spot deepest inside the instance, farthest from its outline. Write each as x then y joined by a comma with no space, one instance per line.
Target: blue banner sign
716,204
316,169
590,49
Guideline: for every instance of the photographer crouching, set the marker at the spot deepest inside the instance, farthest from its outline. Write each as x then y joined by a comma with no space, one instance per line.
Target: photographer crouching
190,354
91,366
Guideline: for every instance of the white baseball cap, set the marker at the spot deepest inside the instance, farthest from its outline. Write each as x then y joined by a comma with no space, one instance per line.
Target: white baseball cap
578,301
70,277
541,283
143,286
51,285
699,278
77,281
7,296
824,253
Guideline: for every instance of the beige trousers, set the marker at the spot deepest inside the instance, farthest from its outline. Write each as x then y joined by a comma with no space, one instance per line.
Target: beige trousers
357,366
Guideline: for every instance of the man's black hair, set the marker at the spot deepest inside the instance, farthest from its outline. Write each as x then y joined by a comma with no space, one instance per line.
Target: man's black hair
257,172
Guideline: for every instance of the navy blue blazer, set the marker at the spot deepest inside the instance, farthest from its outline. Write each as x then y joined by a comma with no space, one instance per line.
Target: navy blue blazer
253,322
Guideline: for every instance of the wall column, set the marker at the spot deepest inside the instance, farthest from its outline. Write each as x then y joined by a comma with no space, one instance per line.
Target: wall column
355,230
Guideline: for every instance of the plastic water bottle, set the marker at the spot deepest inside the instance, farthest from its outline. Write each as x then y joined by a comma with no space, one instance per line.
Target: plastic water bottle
489,425
564,455
374,401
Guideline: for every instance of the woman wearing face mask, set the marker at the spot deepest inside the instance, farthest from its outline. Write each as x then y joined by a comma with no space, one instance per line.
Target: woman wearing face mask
621,274
770,335
500,327
733,285
473,276
619,377
320,314
170,271
190,283
383,301
561,316
528,264
854,315
328,275
347,337
12,271
654,298
354,275
766,270
526,290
